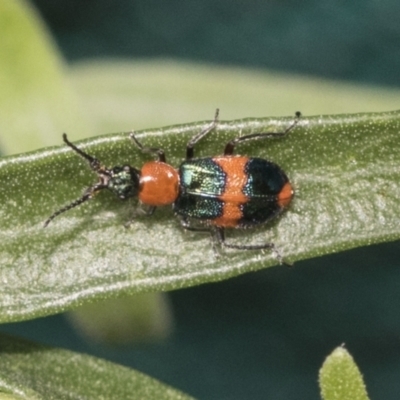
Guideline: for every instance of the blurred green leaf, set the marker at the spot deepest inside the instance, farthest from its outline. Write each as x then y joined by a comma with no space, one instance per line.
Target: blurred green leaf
344,170
340,378
138,318
36,100
31,371
120,95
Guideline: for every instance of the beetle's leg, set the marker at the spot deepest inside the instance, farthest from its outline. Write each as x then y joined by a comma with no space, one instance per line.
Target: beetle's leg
88,194
141,210
219,235
186,225
151,150
147,211
200,135
230,146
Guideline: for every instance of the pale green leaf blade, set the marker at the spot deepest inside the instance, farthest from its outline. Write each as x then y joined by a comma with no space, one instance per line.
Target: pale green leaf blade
344,170
120,95
36,99
30,371
340,378
139,318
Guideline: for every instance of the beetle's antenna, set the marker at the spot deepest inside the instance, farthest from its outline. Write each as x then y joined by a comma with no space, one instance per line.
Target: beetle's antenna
89,193
93,162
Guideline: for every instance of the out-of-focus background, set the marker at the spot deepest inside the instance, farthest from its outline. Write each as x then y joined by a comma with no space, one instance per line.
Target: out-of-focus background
357,41
266,334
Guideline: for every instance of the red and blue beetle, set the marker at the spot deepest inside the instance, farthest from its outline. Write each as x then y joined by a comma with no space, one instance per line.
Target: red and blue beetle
207,194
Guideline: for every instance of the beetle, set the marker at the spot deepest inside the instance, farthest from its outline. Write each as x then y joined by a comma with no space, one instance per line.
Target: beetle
207,194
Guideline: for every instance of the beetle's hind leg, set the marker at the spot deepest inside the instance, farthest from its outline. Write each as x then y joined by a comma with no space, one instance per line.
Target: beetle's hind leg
230,146
218,236
187,226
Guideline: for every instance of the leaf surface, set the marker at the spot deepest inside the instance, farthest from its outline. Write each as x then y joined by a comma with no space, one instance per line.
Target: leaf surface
344,168
30,371
340,378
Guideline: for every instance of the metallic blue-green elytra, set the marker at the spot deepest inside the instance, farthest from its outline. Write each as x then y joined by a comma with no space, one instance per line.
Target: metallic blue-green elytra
231,191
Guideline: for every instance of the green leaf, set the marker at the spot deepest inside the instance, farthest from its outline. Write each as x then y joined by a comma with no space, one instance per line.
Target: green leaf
36,100
121,95
340,378
344,169
139,318
31,371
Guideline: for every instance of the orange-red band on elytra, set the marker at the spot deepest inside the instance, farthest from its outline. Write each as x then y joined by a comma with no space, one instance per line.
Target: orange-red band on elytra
285,195
233,196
